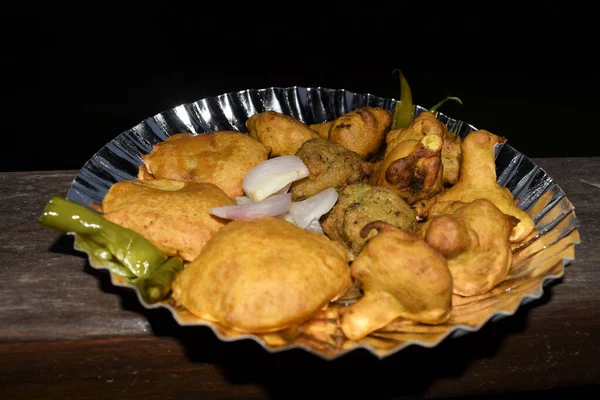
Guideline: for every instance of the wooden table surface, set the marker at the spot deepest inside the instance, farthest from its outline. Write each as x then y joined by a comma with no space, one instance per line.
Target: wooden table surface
66,332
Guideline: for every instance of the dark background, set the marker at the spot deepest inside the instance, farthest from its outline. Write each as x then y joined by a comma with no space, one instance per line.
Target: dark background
79,73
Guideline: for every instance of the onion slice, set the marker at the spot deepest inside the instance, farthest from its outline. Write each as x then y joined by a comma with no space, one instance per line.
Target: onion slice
273,206
315,226
243,200
273,175
314,207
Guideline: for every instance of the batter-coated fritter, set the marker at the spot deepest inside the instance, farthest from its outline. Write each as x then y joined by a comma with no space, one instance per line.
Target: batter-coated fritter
172,215
322,129
329,165
281,133
359,204
362,130
263,275
222,158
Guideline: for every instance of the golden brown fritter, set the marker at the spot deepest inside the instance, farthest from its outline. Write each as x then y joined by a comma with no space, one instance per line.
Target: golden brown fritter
263,275
171,214
362,130
427,124
478,181
414,168
360,203
329,165
401,276
281,133
474,239
222,158
322,129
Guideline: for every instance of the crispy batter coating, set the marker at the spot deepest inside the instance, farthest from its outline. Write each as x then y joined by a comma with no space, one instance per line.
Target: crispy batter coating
263,275
474,239
322,129
171,214
329,165
478,181
414,168
281,133
222,158
359,204
401,276
362,130
427,124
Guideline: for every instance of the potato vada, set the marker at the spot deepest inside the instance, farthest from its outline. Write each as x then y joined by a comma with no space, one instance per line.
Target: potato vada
263,275
222,158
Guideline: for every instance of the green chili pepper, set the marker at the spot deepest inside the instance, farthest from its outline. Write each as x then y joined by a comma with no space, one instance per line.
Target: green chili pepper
441,103
404,111
158,285
109,243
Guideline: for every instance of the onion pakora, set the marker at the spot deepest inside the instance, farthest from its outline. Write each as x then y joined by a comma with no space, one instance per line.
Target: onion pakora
401,276
329,165
173,215
359,204
263,275
282,134
222,158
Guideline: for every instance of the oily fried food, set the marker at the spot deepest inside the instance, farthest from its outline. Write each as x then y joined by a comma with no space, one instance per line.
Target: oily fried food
362,130
173,215
359,204
427,124
281,133
222,158
263,275
478,181
329,165
322,129
401,276
414,168
474,239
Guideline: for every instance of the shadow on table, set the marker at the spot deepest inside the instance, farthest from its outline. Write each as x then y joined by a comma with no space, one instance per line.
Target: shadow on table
410,372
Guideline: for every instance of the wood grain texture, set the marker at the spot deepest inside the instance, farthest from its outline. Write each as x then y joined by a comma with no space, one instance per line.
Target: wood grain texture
66,332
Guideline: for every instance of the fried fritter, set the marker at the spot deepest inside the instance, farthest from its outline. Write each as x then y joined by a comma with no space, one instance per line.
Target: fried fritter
222,158
474,239
414,168
478,181
362,130
401,276
427,124
281,133
360,203
172,215
263,275
322,129
329,165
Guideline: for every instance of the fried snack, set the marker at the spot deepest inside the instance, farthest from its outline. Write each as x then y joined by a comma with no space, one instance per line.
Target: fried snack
362,130
359,204
263,275
414,168
172,215
401,276
281,133
427,124
222,158
322,129
329,165
474,239
478,181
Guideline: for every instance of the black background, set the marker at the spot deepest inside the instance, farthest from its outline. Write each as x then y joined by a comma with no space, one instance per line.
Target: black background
79,73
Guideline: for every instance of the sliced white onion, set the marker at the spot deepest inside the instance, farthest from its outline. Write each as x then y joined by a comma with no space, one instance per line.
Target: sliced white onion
315,226
271,207
243,200
288,217
314,207
273,175
285,189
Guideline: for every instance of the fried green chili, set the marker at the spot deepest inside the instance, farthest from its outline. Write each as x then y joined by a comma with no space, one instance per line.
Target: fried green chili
404,111
158,285
441,103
